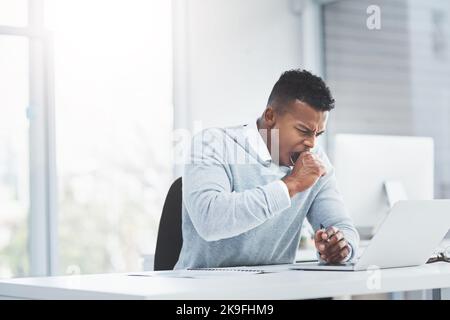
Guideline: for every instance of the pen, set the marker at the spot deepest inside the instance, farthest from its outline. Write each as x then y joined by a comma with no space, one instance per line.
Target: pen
323,227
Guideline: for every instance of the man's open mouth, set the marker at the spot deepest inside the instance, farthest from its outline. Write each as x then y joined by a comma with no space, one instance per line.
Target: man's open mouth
294,156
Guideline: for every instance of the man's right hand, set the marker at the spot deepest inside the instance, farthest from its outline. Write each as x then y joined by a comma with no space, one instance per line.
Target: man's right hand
307,170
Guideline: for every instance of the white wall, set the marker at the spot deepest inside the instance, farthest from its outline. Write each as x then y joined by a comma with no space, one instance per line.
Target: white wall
429,27
228,55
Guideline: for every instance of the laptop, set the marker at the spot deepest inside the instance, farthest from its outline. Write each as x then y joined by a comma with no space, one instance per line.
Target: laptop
408,236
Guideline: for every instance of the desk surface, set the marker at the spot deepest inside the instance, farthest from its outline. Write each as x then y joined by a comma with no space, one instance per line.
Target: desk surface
284,284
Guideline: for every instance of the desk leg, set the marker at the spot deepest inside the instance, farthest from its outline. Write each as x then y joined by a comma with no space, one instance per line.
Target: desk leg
396,296
437,294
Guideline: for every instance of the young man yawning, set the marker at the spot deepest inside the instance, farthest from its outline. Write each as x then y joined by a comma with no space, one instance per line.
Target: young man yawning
248,189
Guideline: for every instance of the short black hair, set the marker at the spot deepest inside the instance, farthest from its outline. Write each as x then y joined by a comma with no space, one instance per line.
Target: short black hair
301,85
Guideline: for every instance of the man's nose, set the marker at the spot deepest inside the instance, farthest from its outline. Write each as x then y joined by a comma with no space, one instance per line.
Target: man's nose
310,142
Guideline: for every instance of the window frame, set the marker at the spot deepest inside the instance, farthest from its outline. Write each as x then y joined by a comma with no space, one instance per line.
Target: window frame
42,216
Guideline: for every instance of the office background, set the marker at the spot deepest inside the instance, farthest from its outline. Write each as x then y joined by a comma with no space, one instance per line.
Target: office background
92,91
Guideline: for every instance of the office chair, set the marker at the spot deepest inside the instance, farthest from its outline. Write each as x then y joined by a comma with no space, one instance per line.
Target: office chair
170,238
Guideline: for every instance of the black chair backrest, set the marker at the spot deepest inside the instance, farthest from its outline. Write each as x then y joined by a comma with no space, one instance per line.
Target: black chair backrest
170,238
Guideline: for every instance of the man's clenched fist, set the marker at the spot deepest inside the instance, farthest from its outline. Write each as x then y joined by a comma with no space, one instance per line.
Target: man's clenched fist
307,170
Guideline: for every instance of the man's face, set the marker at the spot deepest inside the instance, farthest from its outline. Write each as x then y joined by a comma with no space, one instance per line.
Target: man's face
299,126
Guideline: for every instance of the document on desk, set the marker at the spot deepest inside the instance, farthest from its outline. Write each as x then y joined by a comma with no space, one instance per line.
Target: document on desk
200,273
197,273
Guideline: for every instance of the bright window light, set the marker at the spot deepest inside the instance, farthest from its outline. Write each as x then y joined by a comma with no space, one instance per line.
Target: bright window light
113,87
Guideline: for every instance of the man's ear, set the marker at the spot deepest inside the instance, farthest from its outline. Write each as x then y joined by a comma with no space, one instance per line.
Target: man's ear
270,117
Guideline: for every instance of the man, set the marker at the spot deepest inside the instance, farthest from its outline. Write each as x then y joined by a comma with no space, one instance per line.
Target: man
247,189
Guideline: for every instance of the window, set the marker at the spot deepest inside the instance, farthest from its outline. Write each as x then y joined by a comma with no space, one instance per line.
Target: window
14,168
113,115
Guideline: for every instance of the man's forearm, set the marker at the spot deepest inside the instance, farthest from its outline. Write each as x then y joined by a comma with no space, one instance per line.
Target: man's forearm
223,214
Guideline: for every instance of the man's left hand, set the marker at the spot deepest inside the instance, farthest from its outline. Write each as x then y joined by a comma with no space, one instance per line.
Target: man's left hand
331,245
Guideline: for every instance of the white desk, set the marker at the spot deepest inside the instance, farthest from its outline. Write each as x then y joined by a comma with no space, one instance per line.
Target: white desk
280,285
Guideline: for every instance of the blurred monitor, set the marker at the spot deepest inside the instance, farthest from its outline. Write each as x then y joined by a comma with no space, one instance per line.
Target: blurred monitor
375,171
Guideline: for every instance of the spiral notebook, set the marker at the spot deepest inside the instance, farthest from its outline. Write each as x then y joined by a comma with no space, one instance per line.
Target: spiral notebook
200,273
197,273
237,269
